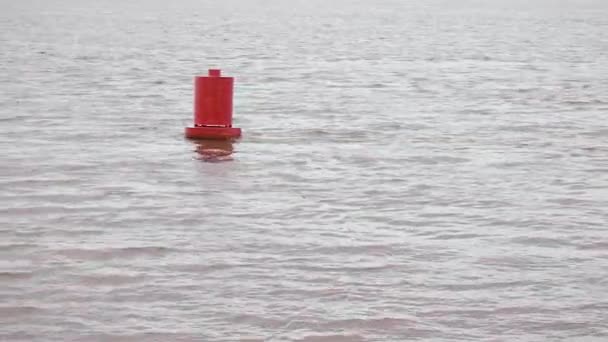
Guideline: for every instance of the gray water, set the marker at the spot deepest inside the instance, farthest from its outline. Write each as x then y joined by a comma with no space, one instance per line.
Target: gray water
409,170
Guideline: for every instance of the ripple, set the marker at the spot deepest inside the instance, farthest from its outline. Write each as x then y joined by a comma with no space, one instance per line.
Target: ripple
114,253
333,338
14,276
396,180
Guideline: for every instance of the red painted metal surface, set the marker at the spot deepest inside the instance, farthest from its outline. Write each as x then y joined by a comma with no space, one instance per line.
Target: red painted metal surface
203,132
213,108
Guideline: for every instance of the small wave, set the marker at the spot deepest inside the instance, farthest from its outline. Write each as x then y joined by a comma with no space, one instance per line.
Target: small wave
360,268
540,241
146,336
463,236
438,160
369,323
520,128
110,279
9,311
600,246
583,103
482,286
371,249
7,276
333,338
206,268
21,247
598,133
113,253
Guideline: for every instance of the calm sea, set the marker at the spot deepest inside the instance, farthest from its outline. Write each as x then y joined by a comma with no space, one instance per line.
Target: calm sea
409,171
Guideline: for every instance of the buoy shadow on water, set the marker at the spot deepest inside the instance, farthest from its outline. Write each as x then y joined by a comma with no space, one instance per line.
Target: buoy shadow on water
214,151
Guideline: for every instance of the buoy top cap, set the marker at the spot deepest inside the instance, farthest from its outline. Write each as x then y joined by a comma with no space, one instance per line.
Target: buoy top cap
215,72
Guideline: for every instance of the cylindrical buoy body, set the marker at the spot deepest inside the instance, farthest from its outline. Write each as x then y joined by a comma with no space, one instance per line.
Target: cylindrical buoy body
213,107
213,100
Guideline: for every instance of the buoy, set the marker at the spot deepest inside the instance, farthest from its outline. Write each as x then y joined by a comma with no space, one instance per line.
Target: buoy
213,108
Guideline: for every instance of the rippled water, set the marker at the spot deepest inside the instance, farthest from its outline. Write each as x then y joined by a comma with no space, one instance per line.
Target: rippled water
410,170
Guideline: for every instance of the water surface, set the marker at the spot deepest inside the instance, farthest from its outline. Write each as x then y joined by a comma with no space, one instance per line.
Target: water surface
432,171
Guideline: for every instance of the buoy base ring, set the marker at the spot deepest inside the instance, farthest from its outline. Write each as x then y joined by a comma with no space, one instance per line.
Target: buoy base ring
206,132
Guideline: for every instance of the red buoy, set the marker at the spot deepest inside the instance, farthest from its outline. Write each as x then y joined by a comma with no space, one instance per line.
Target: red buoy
213,108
